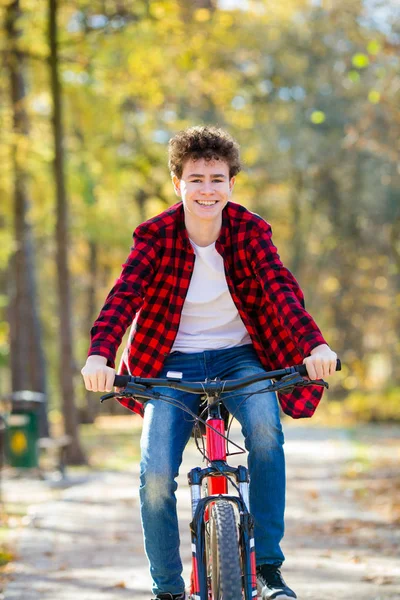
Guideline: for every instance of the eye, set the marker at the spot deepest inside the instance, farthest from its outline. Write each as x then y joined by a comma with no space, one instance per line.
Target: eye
200,181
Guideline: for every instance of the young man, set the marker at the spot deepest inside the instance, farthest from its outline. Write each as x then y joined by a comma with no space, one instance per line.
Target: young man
208,296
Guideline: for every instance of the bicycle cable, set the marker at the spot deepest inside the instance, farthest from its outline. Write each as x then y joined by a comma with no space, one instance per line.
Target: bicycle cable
220,400
179,404
272,387
197,419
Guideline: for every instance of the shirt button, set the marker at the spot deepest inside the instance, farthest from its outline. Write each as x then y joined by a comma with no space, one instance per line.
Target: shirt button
190,267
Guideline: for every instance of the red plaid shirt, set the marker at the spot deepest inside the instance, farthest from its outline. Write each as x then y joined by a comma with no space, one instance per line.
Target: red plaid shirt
154,282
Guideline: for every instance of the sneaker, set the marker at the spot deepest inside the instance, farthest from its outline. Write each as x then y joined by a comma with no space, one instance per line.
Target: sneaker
271,585
168,596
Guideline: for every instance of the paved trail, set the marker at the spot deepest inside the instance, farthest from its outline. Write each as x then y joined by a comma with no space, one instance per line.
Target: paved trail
84,541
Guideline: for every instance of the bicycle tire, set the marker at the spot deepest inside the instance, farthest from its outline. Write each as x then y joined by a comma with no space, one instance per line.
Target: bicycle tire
226,573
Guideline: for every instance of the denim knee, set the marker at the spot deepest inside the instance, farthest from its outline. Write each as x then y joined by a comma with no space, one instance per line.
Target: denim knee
156,486
264,436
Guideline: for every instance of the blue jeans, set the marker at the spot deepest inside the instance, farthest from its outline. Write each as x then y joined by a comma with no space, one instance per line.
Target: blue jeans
166,431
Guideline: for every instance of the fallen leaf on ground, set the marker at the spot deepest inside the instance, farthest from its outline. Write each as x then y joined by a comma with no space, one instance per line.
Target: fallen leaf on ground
378,579
355,559
313,494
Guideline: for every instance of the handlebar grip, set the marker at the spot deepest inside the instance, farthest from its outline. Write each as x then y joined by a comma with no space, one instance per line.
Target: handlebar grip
302,369
121,381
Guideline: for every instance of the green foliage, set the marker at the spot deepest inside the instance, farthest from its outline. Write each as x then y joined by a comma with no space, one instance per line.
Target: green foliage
310,93
380,406
112,442
5,556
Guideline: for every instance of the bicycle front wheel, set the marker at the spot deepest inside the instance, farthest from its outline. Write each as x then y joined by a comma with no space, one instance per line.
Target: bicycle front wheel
226,574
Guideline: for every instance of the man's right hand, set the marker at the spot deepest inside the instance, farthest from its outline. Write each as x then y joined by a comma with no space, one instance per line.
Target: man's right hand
97,376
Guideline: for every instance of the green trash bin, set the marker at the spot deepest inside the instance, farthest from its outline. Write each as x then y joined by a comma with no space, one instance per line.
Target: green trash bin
22,430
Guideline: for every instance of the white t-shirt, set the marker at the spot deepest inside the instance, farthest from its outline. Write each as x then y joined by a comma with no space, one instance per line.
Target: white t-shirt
209,319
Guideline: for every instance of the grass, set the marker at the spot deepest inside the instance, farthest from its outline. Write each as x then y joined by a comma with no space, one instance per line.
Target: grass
360,408
112,443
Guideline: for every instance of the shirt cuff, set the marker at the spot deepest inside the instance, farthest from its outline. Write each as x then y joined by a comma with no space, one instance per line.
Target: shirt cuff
312,341
110,358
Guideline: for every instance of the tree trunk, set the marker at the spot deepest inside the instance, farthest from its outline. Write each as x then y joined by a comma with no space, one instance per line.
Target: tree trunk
141,198
298,245
27,357
345,231
91,408
188,8
394,238
75,453
92,404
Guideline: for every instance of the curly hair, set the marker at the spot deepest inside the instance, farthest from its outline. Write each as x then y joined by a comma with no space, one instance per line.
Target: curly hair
208,142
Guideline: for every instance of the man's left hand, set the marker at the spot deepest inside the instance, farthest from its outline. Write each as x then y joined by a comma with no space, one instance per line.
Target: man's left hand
321,363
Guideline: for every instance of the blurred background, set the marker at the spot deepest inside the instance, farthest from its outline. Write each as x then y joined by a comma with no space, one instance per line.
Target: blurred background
91,92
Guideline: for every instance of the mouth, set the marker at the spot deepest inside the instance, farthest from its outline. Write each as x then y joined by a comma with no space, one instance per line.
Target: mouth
206,204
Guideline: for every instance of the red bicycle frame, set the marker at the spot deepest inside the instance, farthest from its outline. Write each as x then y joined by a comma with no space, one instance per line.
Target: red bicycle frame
217,486
216,450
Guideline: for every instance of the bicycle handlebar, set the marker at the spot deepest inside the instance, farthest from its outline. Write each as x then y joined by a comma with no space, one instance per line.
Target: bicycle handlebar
175,380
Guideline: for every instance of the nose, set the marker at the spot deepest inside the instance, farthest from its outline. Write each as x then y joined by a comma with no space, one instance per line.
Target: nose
207,189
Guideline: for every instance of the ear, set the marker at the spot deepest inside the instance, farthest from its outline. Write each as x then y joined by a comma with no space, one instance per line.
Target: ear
176,182
231,183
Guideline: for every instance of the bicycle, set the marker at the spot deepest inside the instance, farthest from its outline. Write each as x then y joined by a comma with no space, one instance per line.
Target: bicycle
223,551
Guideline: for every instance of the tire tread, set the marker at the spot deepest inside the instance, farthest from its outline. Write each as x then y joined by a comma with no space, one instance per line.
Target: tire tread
227,542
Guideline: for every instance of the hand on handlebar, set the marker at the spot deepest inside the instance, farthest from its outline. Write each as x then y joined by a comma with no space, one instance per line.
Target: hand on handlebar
97,375
141,387
321,363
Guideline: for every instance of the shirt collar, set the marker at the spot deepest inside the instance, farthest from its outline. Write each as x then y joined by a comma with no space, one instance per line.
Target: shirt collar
183,236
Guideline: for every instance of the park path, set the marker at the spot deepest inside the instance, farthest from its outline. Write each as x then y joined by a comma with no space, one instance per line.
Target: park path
82,540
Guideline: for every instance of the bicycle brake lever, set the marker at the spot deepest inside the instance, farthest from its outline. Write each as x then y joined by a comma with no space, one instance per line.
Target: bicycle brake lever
126,394
115,395
289,382
107,396
318,382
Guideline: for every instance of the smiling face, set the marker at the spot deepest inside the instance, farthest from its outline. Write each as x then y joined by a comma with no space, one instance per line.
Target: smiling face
205,188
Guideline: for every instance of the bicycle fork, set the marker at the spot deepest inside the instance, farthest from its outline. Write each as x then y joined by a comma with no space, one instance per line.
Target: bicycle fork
200,506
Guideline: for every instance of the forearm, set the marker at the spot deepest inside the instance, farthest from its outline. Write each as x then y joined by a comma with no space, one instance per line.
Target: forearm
110,326
124,300
284,296
288,305
282,292
106,338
